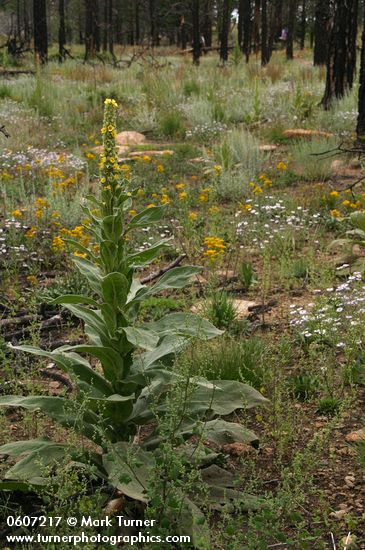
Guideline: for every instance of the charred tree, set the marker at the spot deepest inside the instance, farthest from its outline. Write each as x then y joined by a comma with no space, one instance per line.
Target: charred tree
341,60
321,31
110,27
303,24
40,30
195,13
256,26
224,34
276,23
207,22
244,27
265,54
291,29
61,31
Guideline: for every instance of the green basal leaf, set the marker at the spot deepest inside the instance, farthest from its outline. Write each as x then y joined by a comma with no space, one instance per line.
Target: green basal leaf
185,324
141,338
146,217
74,299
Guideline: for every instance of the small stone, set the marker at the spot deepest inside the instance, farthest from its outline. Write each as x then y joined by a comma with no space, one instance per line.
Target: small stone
354,437
130,138
338,514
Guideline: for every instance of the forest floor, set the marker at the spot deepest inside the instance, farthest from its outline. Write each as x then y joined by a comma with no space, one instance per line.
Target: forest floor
212,144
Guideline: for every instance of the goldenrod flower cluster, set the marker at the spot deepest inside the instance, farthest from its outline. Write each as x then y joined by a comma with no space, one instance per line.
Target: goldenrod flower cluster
215,247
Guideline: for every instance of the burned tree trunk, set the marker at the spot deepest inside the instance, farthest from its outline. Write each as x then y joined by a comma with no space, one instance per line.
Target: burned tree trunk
291,28
40,30
321,31
244,27
223,52
195,12
303,24
265,54
207,22
61,31
341,61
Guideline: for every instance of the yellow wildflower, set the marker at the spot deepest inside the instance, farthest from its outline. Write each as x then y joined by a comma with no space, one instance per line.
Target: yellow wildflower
334,194
160,168
182,196
58,244
281,166
17,213
193,216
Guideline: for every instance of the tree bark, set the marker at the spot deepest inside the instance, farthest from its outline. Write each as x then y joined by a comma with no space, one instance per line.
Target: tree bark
256,26
110,27
223,52
303,24
40,30
195,12
61,31
207,22
244,27
265,56
321,32
341,61
291,29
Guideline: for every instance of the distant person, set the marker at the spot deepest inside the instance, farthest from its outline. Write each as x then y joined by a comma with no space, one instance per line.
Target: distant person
284,34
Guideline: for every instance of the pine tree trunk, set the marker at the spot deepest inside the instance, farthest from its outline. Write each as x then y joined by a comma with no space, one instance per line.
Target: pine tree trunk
256,26
195,12
291,28
61,31
40,30
341,61
137,22
89,29
265,56
244,27
110,27
105,26
207,22
183,34
303,24
241,12
321,32
223,52
360,128
276,24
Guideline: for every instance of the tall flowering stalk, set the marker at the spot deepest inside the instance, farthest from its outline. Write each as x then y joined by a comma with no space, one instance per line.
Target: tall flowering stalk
126,389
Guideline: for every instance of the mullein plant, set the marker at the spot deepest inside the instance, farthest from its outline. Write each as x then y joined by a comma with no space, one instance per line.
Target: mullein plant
131,373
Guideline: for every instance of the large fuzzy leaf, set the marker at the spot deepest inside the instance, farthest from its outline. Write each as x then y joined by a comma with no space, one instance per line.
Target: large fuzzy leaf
115,289
142,338
193,522
221,432
38,462
90,271
168,348
146,217
178,277
145,257
223,494
129,469
111,361
74,299
185,324
115,408
65,412
225,397
74,365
